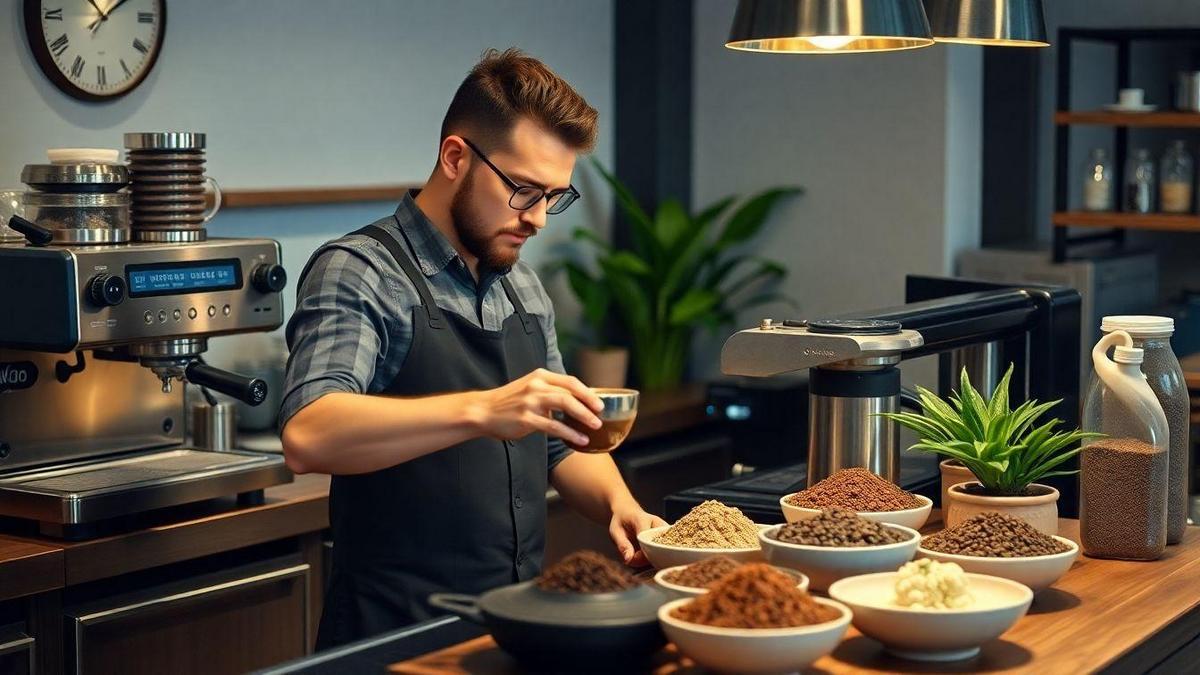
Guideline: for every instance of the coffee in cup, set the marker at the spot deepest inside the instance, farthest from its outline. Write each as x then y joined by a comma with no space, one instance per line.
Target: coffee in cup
616,420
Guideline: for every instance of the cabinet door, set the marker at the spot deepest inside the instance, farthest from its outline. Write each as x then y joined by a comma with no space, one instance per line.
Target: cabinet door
229,623
16,654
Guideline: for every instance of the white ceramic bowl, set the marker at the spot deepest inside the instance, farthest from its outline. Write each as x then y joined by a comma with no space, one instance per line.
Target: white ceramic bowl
912,518
675,591
932,634
1036,572
754,650
663,555
826,564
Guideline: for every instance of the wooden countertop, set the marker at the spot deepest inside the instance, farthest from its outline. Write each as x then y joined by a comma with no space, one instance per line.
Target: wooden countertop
28,564
1102,614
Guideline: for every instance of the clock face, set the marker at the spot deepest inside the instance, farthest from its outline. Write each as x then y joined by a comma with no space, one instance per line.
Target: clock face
95,49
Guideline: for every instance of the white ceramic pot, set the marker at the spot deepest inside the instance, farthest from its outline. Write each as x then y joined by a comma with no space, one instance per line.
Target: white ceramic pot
953,473
1039,510
910,518
1037,572
602,367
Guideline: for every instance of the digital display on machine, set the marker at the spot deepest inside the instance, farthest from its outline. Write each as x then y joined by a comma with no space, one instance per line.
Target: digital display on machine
177,278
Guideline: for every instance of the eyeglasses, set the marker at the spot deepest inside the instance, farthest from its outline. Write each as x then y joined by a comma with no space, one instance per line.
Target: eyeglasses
525,197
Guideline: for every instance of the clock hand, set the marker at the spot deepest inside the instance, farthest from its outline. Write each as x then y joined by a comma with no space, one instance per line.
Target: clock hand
98,10
104,15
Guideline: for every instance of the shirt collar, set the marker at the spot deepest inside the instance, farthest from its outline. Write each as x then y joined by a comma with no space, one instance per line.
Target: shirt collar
431,248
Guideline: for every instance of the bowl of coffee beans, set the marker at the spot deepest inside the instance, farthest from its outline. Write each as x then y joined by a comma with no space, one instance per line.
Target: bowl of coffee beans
754,620
867,494
688,581
1003,546
838,543
709,529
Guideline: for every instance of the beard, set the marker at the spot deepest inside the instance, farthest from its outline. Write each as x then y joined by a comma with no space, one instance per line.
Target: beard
480,239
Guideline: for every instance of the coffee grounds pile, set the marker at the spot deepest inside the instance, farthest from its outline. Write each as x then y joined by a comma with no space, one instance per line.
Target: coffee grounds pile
855,489
994,535
702,574
755,596
711,525
1123,489
586,572
838,527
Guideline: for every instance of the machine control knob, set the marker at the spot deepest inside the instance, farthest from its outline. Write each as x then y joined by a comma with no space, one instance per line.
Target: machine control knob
269,278
106,290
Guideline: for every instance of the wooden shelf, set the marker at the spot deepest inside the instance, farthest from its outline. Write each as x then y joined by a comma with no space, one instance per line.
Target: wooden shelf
235,199
1134,221
1129,119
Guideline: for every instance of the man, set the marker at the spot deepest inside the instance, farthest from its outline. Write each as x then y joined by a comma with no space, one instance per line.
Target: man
425,374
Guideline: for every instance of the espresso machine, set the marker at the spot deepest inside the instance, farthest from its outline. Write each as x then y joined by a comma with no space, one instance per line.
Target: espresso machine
106,304
852,367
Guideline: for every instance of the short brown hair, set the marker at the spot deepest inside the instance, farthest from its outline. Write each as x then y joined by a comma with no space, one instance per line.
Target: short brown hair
505,86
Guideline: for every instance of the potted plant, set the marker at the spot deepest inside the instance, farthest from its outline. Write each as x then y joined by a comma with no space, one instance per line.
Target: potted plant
680,273
1001,447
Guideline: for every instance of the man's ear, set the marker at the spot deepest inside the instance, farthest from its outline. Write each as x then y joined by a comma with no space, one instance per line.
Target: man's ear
453,158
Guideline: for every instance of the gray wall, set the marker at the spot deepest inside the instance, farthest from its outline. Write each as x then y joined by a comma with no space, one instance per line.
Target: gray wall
296,93
887,147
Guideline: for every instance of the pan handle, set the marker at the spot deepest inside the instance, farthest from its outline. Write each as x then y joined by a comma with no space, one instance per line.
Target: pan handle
465,606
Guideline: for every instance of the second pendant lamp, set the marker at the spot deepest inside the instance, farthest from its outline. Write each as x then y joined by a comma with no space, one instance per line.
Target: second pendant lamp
829,26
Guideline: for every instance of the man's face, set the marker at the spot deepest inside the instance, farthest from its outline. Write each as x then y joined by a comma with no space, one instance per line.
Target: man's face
487,226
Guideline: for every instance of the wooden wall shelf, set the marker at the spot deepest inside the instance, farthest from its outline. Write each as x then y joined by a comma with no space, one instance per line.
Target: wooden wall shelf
1127,119
235,199
1135,221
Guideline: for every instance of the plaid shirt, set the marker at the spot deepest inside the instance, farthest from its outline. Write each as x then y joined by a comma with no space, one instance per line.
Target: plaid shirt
353,321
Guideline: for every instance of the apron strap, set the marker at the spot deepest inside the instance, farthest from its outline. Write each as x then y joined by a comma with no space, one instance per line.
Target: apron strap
436,320
526,320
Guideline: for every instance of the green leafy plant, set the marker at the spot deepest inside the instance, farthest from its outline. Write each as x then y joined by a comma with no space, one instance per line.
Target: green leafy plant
998,444
680,273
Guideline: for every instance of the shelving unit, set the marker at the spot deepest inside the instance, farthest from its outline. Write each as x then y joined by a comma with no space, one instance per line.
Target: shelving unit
1113,224
234,199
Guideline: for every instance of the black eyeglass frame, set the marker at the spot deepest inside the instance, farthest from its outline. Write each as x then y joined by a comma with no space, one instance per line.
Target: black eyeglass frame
554,198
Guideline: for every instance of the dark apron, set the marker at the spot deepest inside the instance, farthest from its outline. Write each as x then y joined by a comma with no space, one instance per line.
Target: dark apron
464,519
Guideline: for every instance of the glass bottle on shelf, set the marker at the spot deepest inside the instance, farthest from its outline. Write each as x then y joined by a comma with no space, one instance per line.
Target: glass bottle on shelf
1175,188
1097,182
1139,182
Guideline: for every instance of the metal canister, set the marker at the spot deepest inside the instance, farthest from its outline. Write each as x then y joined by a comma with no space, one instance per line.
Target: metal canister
80,203
1187,90
169,185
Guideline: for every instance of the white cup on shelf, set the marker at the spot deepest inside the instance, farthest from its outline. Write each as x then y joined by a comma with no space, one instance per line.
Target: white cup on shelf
1131,98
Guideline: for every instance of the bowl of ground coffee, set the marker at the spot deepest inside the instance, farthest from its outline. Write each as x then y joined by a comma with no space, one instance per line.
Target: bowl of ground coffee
754,620
1003,546
867,494
709,529
687,581
585,610
838,543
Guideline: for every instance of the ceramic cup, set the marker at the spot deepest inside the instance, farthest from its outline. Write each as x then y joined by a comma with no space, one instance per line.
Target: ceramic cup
1131,98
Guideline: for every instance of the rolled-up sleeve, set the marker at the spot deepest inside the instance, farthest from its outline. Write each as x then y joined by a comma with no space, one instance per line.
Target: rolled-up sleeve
337,332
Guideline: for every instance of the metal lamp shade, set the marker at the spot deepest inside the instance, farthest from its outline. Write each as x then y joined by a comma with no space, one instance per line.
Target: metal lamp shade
829,26
1002,23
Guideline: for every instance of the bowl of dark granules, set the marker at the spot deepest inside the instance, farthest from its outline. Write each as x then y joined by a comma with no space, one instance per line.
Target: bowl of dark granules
838,543
687,581
584,612
867,494
754,620
1003,546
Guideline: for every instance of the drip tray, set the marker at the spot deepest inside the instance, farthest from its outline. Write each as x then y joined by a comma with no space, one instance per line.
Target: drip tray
95,490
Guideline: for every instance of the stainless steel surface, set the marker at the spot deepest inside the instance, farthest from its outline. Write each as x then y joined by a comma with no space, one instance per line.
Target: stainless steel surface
783,349
165,140
828,26
65,177
1187,90
167,600
1004,23
214,427
982,362
171,236
846,432
156,317
87,218
106,488
108,407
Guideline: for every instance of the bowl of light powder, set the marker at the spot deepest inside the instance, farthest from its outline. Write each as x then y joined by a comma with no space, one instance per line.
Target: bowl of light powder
709,529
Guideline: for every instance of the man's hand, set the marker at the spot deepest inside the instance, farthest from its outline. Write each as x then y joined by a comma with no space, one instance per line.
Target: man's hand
526,405
627,520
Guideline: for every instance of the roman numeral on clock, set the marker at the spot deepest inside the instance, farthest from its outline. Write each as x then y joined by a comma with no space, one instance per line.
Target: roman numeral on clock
53,15
145,17
59,45
101,76
77,67
140,46
125,68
